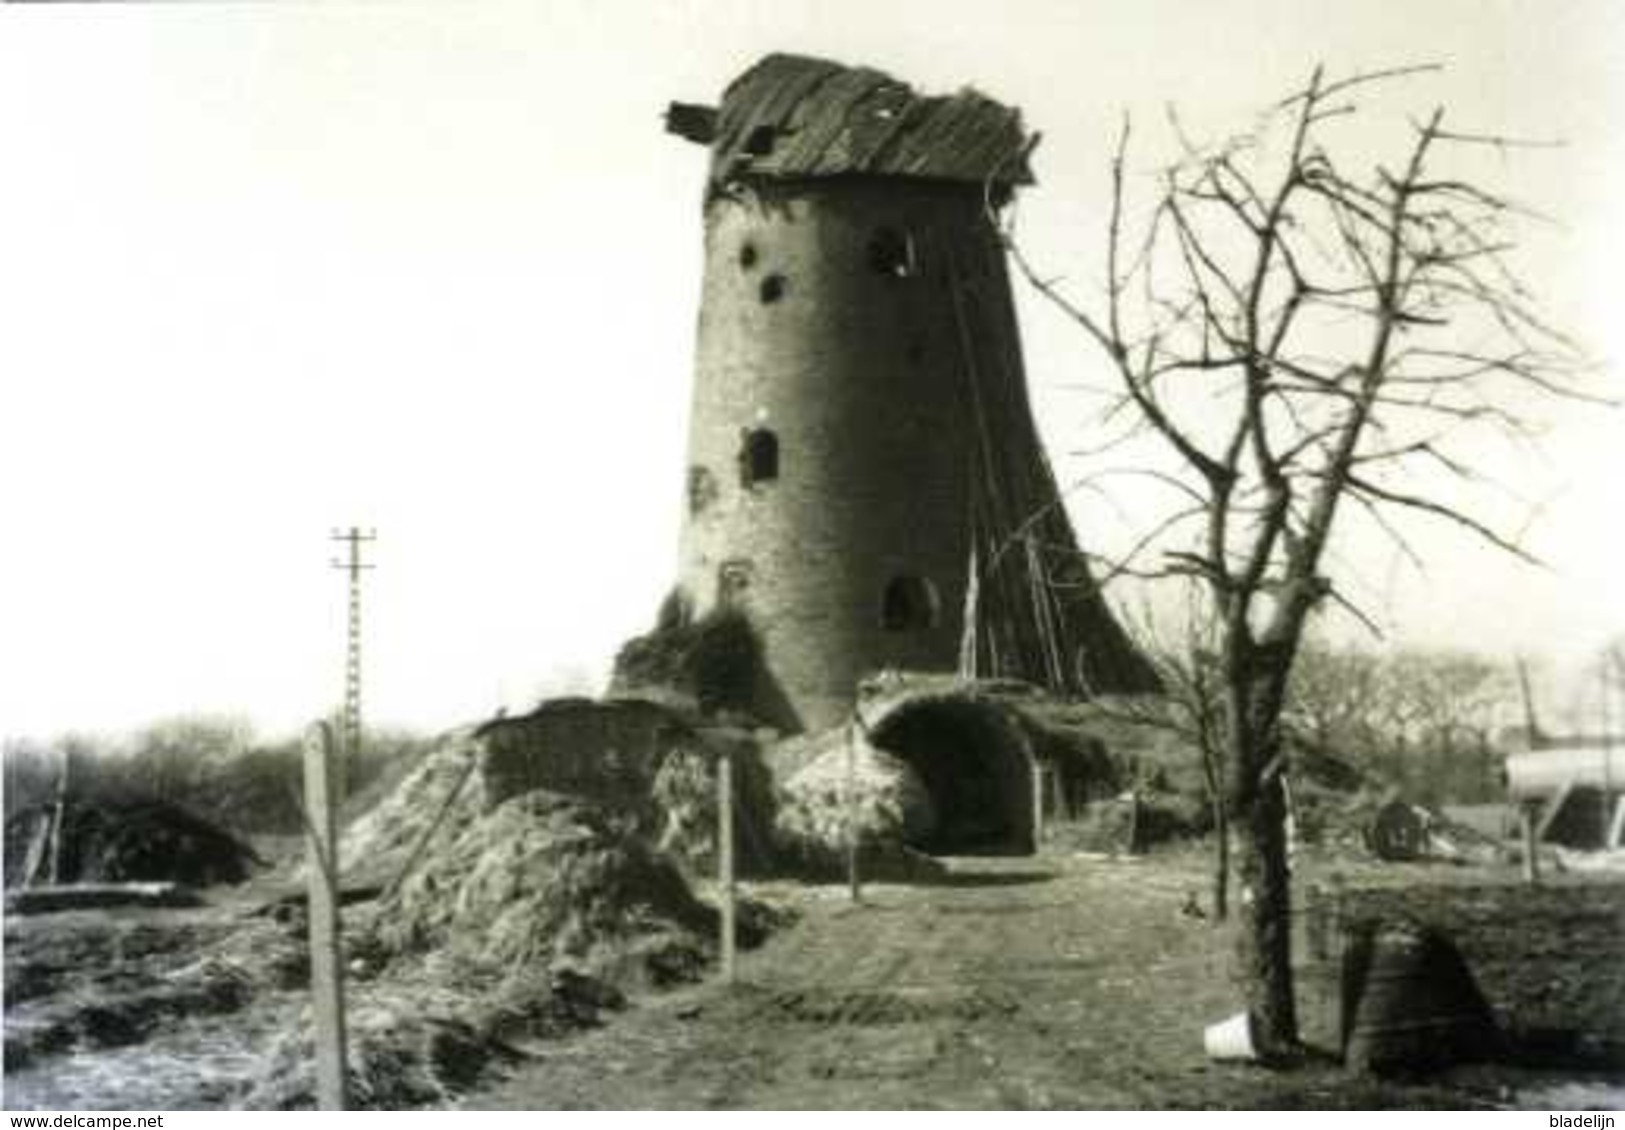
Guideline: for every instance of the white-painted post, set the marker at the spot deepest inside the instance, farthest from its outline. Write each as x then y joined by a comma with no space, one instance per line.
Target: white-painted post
326,942
1531,844
725,859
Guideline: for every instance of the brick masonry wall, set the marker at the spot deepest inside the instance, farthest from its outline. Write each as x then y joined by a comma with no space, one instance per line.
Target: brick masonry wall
1547,957
608,752
861,376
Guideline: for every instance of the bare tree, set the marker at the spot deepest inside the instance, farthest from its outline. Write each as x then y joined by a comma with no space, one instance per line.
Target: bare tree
1190,707
1300,340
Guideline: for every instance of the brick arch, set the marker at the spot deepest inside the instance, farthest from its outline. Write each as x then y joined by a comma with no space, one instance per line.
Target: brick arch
975,761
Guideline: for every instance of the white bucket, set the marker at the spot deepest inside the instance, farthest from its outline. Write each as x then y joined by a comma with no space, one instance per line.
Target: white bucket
1231,1039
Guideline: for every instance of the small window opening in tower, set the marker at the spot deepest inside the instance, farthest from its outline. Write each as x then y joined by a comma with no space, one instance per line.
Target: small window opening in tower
908,603
759,457
760,142
773,287
747,256
891,253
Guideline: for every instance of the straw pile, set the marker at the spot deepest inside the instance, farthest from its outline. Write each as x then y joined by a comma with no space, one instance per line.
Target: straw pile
398,1060
378,844
544,881
684,792
877,794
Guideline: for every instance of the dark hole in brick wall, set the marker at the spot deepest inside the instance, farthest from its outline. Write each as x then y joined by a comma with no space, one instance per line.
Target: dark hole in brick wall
979,779
908,603
773,288
747,256
891,253
760,142
759,457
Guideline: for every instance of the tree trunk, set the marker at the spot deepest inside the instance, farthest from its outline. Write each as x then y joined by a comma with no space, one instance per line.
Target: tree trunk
1256,805
1221,860
1264,929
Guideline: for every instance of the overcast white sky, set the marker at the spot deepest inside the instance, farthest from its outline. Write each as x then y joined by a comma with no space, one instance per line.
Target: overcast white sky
270,268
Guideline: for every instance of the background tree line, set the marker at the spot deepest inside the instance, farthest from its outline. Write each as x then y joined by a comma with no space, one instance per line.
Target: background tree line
216,766
1424,721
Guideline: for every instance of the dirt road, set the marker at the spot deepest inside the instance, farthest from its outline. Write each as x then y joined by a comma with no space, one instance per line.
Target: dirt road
1049,982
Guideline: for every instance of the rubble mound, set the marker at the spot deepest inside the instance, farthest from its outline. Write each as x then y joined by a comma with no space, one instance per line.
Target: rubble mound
133,841
544,881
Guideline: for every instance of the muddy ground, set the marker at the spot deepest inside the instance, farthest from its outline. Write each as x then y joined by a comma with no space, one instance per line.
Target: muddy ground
1062,980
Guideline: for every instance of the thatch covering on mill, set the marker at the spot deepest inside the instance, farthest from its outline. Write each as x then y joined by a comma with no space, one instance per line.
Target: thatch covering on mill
791,116
1033,607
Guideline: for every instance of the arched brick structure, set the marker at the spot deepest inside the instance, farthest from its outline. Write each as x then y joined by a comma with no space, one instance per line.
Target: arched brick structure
977,764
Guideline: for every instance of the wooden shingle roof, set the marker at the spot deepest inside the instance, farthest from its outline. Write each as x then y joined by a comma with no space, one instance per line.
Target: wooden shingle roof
790,116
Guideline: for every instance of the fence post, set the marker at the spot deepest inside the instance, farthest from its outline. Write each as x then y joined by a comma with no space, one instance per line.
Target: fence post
1040,771
59,814
326,942
852,832
1531,845
725,859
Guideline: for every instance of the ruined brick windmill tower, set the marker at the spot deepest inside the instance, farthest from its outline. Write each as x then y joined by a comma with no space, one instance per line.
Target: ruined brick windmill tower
865,481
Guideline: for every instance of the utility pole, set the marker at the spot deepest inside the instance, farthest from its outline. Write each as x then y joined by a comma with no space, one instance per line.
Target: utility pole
322,787
350,738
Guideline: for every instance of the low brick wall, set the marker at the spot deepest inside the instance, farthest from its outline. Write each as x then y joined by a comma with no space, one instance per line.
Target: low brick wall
607,752
1550,959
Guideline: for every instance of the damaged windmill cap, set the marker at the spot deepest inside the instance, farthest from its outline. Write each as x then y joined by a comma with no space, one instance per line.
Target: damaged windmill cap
792,117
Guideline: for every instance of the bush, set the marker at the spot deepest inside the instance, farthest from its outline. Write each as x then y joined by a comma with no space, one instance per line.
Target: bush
710,662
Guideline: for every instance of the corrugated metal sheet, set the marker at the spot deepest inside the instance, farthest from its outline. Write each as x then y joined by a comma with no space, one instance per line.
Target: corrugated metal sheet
790,116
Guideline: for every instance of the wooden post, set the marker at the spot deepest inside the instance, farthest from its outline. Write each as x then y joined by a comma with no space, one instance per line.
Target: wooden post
326,942
725,859
59,814
1039,771
1531,844
852,832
